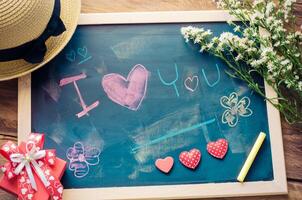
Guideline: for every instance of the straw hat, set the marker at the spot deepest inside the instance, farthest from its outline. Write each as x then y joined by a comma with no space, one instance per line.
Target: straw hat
26,25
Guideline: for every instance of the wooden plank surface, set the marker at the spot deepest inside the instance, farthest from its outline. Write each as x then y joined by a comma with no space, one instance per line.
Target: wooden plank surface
292,134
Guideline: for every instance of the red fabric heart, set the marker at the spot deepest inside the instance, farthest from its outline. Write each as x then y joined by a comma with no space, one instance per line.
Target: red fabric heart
190,159
218,149
164,165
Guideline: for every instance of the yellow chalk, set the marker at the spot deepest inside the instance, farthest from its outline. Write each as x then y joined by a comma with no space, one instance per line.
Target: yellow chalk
250,159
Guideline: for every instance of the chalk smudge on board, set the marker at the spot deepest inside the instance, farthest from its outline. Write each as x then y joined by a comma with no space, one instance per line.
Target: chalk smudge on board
206,134
135,45
102,68
140,169
59,131
120,164
173,121
52,89
94,138
237,141
130,47
242,90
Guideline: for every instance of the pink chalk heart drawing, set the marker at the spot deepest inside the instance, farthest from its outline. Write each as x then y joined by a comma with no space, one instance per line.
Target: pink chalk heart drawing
191,83
128,92
218,149
190,159
164,165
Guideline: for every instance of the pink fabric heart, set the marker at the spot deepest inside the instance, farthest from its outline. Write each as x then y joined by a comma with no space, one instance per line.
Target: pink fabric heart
128,92
218,149
190,159
164,165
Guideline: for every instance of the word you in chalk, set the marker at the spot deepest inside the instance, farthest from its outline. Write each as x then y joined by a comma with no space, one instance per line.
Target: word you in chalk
191,82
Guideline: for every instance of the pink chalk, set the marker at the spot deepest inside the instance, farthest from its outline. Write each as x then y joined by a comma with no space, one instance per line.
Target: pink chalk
128,92
73,80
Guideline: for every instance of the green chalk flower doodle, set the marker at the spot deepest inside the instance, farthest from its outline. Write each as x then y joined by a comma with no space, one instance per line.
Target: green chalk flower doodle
234,108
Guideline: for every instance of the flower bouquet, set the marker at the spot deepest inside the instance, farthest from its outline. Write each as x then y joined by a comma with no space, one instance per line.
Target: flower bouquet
267,42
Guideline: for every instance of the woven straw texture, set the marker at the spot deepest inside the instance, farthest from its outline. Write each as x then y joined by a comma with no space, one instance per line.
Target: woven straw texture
70,10
23,20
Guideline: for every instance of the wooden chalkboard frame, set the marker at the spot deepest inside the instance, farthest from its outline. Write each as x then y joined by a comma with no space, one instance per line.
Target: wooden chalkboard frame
277,186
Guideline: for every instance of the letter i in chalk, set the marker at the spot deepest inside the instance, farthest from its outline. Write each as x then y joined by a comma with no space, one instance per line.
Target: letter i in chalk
250,159
74,79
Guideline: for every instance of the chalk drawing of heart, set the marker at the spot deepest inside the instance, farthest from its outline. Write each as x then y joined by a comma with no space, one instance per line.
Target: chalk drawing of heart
70,56
191,83
218,149
128,92
164,165
82,52
190,159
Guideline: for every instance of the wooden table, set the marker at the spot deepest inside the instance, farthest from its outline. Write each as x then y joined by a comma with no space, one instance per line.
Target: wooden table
292,134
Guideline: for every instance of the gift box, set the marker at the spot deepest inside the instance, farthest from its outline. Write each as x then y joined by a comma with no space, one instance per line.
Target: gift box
43,181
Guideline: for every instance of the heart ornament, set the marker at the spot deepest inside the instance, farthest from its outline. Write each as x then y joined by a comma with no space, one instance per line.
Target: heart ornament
128,92
190,159
164,165
218,149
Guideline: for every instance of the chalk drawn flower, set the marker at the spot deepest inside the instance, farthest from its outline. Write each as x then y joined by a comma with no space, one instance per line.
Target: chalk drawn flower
235,108
81,157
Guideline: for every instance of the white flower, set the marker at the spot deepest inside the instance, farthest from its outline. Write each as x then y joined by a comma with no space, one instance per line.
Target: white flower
289,67
277,44
285,62
221,4
270,66
300,85
210,45
287,7
257,2
257,16
230,22
202,48
238,57
237,28
269,8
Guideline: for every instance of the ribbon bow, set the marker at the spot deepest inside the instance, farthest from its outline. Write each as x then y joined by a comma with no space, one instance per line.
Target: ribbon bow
28,162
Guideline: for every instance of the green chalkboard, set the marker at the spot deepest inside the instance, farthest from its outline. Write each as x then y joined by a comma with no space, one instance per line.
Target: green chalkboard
118,97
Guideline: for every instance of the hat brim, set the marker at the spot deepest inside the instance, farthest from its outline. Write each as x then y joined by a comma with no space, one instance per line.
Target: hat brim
70,12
